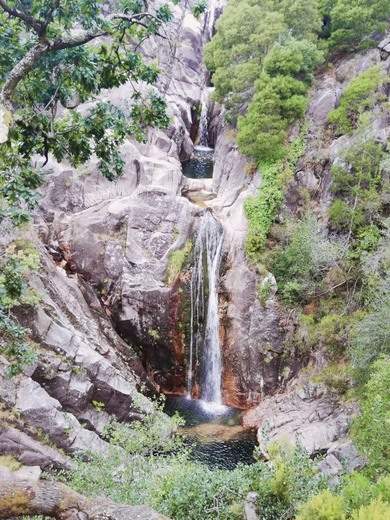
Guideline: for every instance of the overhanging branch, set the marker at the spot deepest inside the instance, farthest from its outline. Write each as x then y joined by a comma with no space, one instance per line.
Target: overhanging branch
37,25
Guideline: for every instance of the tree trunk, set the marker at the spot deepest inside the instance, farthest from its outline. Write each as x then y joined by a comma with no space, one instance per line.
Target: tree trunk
28,498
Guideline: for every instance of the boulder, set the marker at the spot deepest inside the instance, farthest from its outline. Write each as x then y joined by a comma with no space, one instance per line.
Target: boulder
306,414
384,47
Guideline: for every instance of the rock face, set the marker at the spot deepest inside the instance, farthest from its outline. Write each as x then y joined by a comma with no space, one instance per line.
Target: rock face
107,303
384,47
82,361
306,414
250,336
120,236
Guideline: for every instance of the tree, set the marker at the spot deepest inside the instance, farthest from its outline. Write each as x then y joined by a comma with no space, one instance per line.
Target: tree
350,24
279,98
245,33
58,54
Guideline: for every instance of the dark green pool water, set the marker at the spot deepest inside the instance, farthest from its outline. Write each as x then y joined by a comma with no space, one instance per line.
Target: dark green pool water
214,432
200,166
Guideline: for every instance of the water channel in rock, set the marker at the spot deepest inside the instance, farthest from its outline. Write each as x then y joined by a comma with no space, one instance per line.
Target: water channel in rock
214,430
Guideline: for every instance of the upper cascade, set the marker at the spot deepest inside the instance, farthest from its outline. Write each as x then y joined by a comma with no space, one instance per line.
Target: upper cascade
203,132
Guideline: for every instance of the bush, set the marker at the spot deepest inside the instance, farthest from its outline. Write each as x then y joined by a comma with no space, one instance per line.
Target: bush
377,510
371,337
358,96
299,264
371,430
357,491
18,262
324,506
262,210
356,181
167,480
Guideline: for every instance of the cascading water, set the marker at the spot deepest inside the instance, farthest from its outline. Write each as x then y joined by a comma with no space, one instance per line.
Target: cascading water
213,430
203,127
200,166
205,354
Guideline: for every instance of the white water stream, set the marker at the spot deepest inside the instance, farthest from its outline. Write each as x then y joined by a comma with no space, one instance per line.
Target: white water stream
205,353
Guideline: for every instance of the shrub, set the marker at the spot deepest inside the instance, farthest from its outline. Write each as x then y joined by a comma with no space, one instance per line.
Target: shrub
371,430
18,261
357,97
357,491
371,336
163,477
356,181
299,264
262,210
323,506
377,510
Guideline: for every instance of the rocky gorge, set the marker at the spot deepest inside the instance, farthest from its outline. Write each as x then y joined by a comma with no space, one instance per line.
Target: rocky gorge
113,319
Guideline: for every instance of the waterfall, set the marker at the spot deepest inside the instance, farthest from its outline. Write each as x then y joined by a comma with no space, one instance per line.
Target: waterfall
203,127
203,132
205,354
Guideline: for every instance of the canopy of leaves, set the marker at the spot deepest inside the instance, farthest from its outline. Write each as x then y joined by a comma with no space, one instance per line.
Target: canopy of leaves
245,33
352,23
279,99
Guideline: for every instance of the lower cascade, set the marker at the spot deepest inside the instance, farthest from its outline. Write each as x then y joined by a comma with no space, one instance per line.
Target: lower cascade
205,363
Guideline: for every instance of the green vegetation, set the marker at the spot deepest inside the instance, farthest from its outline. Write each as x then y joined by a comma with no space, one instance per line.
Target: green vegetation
9,462
263,57
323,506
349,26
19,260
154,469
357,181
176,261
300,262
371,429
279,99
262,210
357,97
154,334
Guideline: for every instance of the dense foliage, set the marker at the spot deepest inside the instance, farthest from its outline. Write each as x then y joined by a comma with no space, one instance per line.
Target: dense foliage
150,469
279,99
332,274
262,210
357,98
